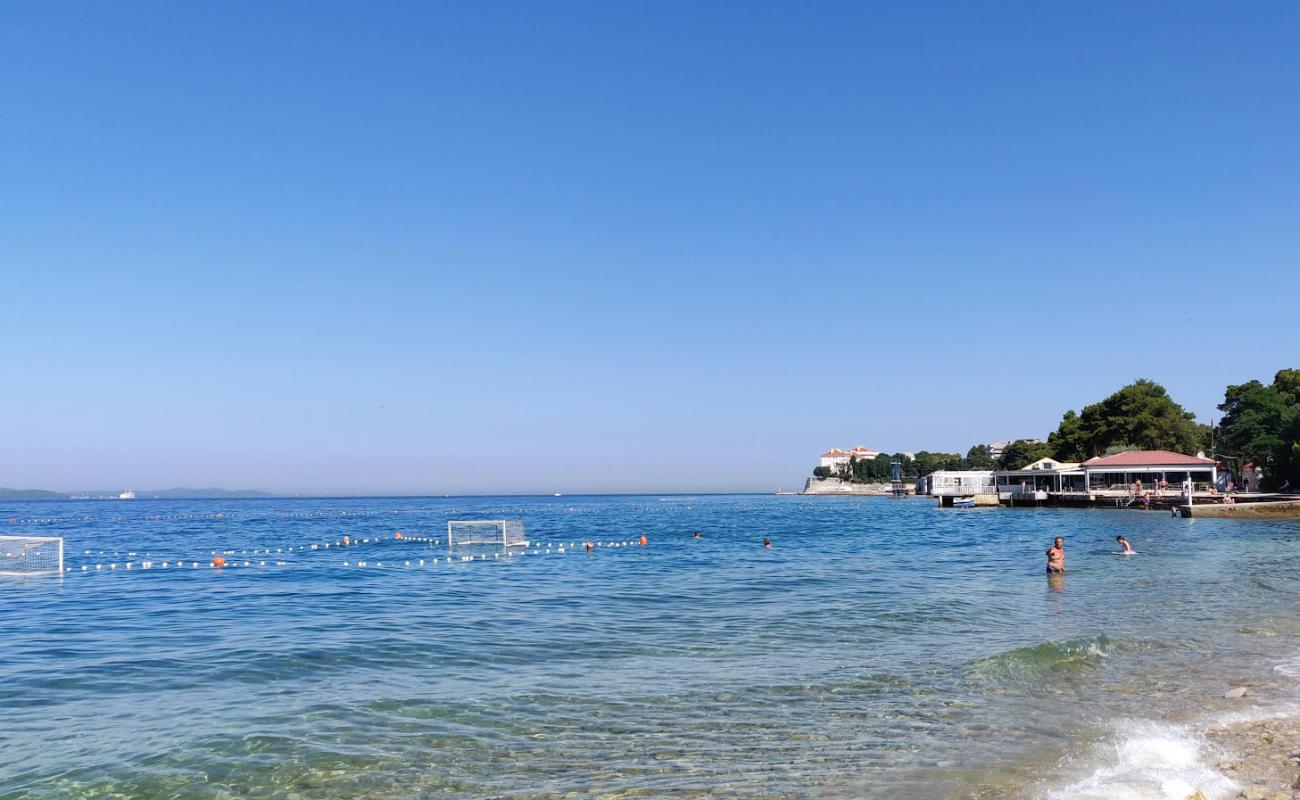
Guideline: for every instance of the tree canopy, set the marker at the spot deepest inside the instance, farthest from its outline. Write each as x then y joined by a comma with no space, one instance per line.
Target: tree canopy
1261,424
1141,416
978,457
1022,452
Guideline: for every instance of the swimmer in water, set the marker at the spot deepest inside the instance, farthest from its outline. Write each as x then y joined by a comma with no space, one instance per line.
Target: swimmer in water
589,547
697,535
1056,557
1124,546
767,543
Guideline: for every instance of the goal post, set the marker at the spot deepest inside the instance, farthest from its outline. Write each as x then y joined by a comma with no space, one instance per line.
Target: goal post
499,532
30,555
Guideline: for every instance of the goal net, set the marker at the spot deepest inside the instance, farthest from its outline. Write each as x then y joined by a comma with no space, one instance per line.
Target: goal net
499,532
30,555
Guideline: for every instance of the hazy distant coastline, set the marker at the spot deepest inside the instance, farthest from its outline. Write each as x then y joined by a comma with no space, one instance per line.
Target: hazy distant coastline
157,494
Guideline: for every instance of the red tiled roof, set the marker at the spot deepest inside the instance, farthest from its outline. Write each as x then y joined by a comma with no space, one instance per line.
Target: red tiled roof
834,452
1147,458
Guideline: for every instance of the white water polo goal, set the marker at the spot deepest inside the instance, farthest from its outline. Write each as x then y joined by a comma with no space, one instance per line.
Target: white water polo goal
30,555
498,532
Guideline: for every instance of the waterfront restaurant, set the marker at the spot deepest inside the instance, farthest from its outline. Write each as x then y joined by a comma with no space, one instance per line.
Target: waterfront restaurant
960,483
1157,471
1036,480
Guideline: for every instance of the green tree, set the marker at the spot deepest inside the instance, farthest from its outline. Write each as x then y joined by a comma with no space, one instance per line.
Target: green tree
1023,452
978,457
1141,416
908,465
1286,470
927,462
1253,417
1261,424
821,472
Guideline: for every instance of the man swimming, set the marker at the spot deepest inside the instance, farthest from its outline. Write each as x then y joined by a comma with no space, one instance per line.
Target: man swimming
1056,557
1124,546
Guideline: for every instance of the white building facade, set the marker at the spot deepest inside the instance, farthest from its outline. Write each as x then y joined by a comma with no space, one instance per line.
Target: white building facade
836,458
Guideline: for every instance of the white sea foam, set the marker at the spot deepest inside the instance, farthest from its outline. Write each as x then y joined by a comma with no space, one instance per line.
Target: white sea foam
1290,668
1149,760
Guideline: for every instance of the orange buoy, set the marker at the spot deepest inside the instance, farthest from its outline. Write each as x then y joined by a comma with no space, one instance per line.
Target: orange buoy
218,562
397,535
644,540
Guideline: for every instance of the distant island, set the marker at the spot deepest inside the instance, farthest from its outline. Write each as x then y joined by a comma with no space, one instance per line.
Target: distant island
157,494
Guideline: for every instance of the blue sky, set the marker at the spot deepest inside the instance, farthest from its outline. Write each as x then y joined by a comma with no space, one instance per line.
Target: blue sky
471,247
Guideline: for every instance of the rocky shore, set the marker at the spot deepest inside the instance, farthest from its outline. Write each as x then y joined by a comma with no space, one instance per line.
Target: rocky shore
1263,756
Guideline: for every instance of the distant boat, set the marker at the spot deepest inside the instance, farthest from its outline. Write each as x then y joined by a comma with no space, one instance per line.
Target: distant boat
963,502
127,495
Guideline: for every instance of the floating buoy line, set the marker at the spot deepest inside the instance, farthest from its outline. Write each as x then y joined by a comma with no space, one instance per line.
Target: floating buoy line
292,555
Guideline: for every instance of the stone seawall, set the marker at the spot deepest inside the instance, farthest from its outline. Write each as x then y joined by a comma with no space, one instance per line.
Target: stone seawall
1280,509
835,486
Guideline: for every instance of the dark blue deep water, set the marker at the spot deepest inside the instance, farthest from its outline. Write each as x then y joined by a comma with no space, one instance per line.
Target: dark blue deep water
880,648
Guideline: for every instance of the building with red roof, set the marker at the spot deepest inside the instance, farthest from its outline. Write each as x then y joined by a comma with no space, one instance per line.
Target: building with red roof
1150,469
835,458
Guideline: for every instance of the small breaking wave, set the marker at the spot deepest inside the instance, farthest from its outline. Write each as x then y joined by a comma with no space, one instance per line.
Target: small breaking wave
1149,760
1036,661
1290,668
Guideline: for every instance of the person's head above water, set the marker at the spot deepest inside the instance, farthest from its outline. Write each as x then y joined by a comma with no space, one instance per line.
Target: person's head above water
1059,541
767,542
1119,538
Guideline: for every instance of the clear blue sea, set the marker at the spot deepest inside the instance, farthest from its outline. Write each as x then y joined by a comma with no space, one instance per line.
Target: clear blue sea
880,649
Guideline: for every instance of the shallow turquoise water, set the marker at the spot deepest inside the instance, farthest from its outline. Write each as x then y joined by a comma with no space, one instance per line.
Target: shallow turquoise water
881,648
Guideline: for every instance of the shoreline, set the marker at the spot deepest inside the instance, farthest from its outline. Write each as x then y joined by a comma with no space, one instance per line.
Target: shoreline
1262,756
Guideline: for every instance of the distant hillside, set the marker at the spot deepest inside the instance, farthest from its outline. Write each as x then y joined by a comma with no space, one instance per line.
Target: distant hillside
30,494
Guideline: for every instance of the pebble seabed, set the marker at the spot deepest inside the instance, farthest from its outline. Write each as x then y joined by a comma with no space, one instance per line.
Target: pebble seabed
1262,756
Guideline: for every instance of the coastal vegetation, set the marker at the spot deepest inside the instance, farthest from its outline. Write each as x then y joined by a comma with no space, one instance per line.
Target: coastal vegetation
1140,416
1021,452
1260,426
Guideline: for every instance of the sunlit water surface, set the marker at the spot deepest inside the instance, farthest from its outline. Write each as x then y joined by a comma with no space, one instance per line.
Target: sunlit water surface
880,648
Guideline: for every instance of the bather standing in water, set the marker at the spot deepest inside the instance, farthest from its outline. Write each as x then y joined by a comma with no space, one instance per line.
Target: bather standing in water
1124,546
1056,557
